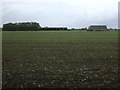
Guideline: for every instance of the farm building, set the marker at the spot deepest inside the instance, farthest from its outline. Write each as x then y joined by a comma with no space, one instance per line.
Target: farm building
53,28
97,27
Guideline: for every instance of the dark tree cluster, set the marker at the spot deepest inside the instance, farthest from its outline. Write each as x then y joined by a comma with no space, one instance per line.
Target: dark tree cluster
29,26
53,28
24,26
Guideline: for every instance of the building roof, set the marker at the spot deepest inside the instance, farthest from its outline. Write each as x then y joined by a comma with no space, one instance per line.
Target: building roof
98,27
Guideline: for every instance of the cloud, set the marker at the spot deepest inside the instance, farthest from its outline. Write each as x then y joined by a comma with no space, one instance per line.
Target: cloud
69,13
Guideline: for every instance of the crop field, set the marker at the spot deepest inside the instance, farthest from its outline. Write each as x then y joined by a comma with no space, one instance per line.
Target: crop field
60,59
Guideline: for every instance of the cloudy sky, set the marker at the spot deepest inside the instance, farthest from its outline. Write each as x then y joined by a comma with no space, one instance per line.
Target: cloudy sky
62,13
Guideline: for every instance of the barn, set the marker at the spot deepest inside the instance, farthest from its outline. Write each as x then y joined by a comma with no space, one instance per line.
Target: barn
97,28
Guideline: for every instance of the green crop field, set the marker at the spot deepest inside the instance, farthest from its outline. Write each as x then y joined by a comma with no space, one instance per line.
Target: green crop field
60,59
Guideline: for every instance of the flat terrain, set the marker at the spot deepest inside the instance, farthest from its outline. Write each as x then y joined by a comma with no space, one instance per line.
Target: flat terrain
56,59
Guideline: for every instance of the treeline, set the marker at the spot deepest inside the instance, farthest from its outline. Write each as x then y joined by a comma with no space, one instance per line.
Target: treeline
24,26
53,29
29,26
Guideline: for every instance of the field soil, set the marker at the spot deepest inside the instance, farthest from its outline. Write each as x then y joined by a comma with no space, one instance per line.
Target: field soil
60,59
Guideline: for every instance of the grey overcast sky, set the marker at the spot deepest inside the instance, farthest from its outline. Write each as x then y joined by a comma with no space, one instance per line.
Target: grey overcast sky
62,13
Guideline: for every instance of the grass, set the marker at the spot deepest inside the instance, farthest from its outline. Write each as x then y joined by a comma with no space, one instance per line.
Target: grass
60,59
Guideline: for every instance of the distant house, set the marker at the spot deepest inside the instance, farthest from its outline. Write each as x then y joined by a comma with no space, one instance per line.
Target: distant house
97,27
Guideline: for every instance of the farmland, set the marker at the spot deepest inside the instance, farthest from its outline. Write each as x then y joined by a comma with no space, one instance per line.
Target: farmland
60,59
